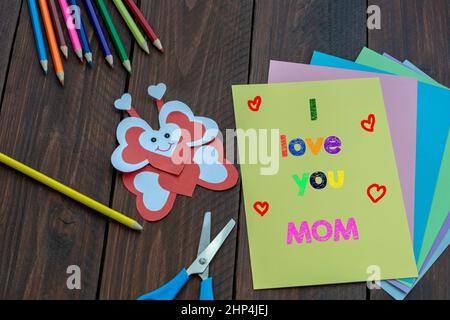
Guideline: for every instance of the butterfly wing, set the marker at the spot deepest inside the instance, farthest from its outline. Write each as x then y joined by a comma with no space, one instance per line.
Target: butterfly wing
153,201
216,172
130,156
196,131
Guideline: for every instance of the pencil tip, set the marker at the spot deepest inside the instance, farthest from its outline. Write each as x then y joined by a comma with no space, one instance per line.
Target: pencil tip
144,47
157,43
44,64
136,226
110,60
79,53
127,65
88,56
60,76
65,51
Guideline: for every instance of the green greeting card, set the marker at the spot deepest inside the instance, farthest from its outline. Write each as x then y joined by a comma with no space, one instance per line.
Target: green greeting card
321,189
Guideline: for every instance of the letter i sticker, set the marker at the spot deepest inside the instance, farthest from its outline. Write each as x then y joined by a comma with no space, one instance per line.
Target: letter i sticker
313,109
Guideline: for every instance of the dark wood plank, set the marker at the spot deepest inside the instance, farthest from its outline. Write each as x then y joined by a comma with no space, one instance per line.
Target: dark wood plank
417,30
9,18
69,134
292,30
207,50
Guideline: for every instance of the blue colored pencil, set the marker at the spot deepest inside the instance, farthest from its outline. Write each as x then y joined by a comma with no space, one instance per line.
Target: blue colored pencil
38,35
99,31
83,36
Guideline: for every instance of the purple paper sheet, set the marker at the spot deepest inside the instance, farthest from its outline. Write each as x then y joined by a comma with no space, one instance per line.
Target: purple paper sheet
400,94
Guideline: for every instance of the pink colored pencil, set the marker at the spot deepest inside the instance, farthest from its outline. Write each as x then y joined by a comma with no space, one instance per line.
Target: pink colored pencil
71,28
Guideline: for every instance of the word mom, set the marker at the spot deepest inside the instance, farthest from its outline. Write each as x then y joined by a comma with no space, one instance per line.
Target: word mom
305,234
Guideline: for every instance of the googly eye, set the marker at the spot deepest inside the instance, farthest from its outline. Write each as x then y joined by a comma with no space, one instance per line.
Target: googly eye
153,139
167,135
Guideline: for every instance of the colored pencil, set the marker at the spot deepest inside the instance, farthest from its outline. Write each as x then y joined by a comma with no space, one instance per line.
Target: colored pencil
114,34
137,34
99,31
51,39
38,36
82,35
69,192
145,25
71,28
58,27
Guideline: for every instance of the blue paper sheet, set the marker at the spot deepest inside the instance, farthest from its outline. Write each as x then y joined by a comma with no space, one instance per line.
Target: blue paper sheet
433,124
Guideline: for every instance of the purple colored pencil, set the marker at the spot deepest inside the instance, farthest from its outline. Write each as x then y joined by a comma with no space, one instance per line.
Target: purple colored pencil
99,31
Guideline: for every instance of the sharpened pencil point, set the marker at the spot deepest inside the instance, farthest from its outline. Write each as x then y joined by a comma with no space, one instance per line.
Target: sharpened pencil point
136,226
60,76
110,60
127,65
88,56
144,47
157,43
44,64
65,51
79,53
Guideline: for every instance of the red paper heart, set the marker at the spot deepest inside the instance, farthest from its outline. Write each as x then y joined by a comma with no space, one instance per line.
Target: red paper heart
369,123
255,104
261,207
376,192
192,130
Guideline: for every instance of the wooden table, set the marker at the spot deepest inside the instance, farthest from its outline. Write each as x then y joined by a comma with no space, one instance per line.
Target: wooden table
69,134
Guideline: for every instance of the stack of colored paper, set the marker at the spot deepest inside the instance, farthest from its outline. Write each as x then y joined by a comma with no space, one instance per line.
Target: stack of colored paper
345,166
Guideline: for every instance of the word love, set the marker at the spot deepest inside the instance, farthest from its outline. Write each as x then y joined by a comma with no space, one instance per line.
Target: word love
298,146
322,231
319,180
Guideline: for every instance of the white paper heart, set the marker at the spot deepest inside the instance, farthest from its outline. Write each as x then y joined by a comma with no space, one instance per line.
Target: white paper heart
157,91
124,103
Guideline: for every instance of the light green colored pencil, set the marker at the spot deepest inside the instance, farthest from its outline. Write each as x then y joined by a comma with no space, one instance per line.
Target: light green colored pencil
140,39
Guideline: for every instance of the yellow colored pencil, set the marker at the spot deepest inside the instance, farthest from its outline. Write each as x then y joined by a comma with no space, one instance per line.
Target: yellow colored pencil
69,192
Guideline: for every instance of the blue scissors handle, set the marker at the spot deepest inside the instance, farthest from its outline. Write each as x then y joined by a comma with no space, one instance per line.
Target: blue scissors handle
206,289
170,290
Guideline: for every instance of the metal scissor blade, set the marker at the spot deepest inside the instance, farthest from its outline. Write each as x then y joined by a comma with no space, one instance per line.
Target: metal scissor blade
205,240
204,259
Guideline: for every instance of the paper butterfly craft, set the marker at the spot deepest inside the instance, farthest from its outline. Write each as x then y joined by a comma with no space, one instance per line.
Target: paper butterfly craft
159,164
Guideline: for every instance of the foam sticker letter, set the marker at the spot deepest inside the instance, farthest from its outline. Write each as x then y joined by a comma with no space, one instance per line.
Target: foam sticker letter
300,234
332,182
301,183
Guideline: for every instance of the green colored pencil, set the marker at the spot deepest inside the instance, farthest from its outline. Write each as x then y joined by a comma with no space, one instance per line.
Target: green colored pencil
140,39
114,34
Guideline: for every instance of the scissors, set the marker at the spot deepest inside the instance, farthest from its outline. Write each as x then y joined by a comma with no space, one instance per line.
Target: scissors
206,252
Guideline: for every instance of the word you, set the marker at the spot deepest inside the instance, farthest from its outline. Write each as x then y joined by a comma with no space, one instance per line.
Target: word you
319,180
321,231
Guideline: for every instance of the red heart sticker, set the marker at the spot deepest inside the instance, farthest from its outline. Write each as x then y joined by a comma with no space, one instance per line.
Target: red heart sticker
261,207
255,104
376,192
369,123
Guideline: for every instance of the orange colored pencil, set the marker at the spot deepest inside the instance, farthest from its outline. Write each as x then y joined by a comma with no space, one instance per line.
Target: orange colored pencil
51,38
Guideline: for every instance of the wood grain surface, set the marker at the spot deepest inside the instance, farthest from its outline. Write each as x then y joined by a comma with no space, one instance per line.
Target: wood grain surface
69,134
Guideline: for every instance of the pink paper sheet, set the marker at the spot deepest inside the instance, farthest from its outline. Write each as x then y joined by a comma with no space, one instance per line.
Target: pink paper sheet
400,95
